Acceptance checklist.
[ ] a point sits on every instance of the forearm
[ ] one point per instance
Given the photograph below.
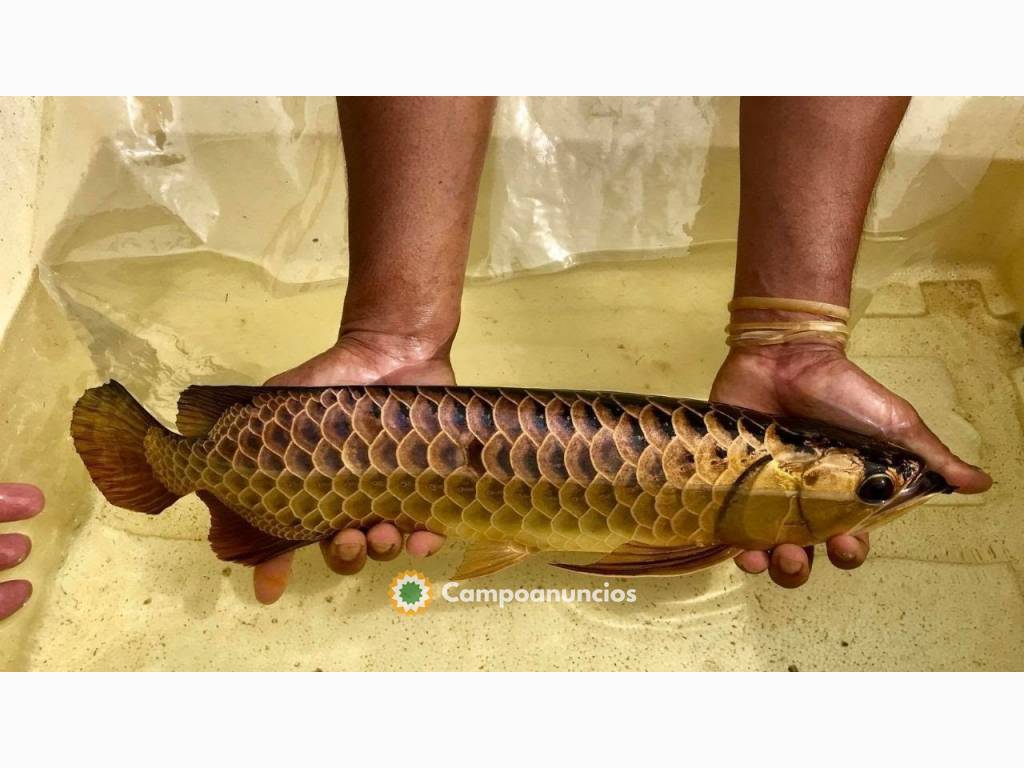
(807, 170)
(413, 168)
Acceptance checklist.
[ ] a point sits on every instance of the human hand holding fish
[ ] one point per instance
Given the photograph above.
(818, 381)
(360, 358)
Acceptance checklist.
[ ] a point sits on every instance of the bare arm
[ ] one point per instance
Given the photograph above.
(413, 169)
(808, 167)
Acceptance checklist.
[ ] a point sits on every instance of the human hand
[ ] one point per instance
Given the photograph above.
(18, 501)
(361, 358)
(819, 382)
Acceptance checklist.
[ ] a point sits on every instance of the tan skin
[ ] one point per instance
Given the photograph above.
(808, 169)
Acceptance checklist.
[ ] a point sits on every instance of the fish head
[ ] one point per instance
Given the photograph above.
(815, 481)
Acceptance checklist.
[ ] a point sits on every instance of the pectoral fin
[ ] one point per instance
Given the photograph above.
(486, 557)
(641, 560)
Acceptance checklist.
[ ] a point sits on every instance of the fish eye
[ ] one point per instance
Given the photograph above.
(876, 489)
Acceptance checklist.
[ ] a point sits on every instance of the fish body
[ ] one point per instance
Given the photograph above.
(658, 485)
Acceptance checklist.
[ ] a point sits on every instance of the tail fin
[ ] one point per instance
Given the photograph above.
(108, 426)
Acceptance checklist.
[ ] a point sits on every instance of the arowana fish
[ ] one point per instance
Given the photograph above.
(657, 485)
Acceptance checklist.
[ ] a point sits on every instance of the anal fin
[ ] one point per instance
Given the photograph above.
(235, 540)
(640, 560)
(486, 557)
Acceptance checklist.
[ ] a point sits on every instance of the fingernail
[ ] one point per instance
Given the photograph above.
(426, 553)
(380, 549)
(21, 500)
(847, 555)
(789, 567)
(348, 551)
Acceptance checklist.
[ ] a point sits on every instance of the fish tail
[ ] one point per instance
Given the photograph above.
(109, 427)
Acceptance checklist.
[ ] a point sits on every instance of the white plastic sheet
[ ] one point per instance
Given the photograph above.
(568, 180)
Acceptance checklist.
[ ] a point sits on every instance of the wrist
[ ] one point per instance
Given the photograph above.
(783, 365)
(762, 321)
(400, 348)
(408, 324)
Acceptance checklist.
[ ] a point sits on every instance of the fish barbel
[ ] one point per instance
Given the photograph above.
(657, 485)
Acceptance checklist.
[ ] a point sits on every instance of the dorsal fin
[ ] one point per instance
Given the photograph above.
(199, 406)
(641, 560)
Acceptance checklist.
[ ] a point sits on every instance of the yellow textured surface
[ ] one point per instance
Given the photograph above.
(117, 590)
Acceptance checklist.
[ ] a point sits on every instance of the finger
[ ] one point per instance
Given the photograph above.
(915, 435)
(966, 478)
(13, 595)
(270, 579)
(346, 552)
(847, 551)
(14, 548)
(753, 561)
(790, 566)
(424, 543)
(19, 501)
(383, 542)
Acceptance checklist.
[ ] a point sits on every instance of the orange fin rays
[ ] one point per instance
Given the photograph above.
(483, 558)
(639, 560)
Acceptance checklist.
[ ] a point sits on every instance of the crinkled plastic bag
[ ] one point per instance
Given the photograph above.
(568, 180)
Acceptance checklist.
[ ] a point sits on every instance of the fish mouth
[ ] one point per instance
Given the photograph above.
(925, 485)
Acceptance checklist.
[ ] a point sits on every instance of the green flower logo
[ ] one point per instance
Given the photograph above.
(410, 592)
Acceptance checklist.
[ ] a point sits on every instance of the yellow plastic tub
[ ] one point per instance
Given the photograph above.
(128, 255)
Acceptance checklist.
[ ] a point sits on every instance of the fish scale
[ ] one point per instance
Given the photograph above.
(658, 485)
(551, 470)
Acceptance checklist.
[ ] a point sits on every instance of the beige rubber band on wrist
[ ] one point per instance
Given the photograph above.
(791, 305)
(766, 333)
